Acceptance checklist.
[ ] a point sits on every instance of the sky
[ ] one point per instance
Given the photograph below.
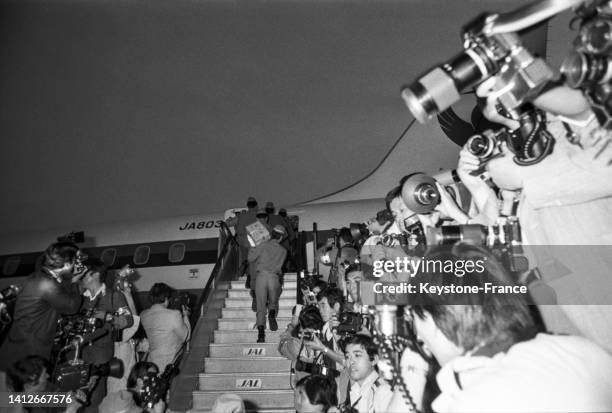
(121, 110)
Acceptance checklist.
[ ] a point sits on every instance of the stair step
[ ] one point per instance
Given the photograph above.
(288, 276)
(244, 350)
(239, 285)
(246, 302)
(246, 312)
(244, 336)
(246, 364)
(243, 381)
(256, 399)
(247, 323)
(244, 293)
(249, 410)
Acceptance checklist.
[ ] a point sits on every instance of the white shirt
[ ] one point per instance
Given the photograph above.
(546, 374)
(373, 395)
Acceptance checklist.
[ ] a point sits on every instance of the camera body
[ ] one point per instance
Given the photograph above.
(503, 238)
(309, 335)
(589, 65)
(180, 300)
(75, 374)
(318, 369)
(80, 324)
(520, 75)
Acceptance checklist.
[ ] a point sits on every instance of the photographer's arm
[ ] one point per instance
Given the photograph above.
(65, 298)
(562, 179)
(317, 345)
(123, 316)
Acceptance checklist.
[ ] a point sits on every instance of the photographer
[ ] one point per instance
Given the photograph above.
(133, 399)
(330, 302)
(109, 306)
(46, 294)
(31, 376)
(490, 344)
(366, 391)
(291, 344)
(166, 329)
(565, 200)
(376, 227)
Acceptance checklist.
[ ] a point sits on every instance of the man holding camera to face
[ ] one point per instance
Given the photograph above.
(111, 307)
(492, 356)
(47, 293)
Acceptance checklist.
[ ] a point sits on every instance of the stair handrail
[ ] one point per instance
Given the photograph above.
(227, 240)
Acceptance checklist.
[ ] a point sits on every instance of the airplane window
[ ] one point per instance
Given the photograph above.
(11, 265)
(176, 253)
(141, 255)
(108, 256)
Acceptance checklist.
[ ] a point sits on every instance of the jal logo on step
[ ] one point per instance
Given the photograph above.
(253, 351)
(248, 383)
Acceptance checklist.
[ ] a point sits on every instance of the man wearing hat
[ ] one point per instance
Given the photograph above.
(266, 261)
(277, 219)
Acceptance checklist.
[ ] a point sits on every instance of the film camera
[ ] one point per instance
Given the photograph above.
(156, 387)
(77, 325)
(180, 300)
(307, 283)
(530, 143)
(76, 374)
(503, 238)
(309, 335)
(520, 75)
(122, 279)
(313, 368)
(7, 295)
(588, 66)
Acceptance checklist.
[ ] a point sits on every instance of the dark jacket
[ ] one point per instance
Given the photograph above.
(102, 345)
(37, 309)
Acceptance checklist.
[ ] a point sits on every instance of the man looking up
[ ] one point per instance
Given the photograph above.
(45, 296)
(267, 261)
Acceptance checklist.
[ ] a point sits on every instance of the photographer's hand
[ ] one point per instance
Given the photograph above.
(487, 90)
(314, 344)
(448, 207)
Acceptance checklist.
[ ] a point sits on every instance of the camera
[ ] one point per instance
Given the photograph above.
(309, 335)
(589, 65)
(7, 295)
(75, 374)
(350, 323)
(122, 281)
(503, 238)
(318, 369)
(76, 237)
(70, 327)
(156, 387)
(359, 231)
(393, 240)
(180, 300)
(521, 76)
(530, 143)
(421, 193)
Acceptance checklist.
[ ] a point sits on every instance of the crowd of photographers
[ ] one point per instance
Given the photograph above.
(529, 205)
(73, 331)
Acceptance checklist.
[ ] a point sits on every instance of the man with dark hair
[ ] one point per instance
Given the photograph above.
(30, 375)
(45, 296)
(330, 302)
(267, 261)
(111, 307)
(488, 343)
(366, 391)
(166, 329)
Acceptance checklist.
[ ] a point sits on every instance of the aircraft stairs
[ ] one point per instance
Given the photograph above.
(235, 363)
